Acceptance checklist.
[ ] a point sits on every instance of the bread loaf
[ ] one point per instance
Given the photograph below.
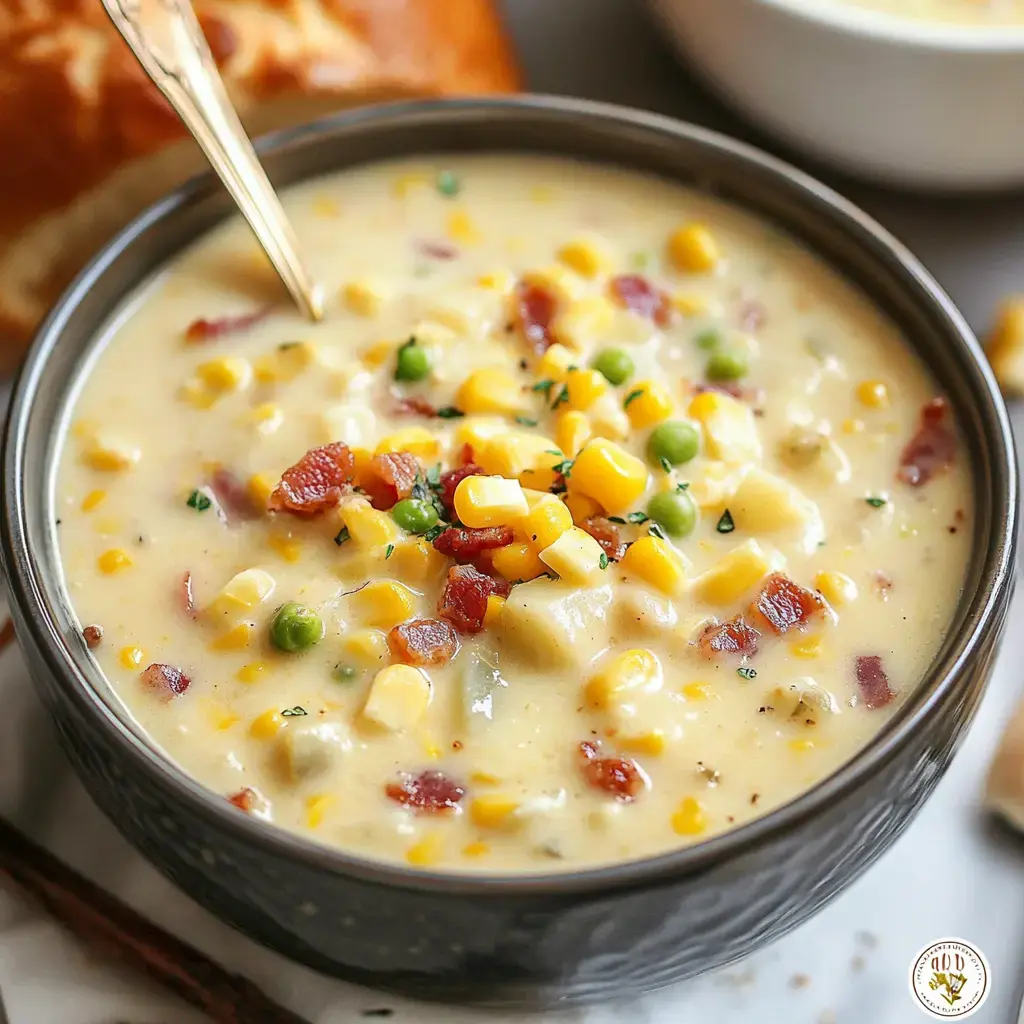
(88, 142)
(1004, 789)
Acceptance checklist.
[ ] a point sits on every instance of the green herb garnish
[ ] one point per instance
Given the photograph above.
(389, 551)
(543, 385)
(632, 397)
(876, 502)
(636, 518)
(296, 712)
(746, 673)
(199, 501)
(449, 412)
(448, 184)
(725, 523)
(617, 519)
(342, 536)
(562, 396)
(665, 464)
(603, 561)
(434, 532)
(656, 531)
(526, 421)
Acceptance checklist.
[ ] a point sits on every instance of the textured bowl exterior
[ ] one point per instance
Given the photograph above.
(528, 941)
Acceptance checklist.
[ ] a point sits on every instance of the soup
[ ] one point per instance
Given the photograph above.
(595, 519)
(969, 12)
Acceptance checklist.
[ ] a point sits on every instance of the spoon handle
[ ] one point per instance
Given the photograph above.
(167, 41)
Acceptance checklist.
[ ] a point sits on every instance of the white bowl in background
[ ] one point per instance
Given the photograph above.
(909, 102)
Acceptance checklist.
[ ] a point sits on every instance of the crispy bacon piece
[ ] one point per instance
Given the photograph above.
(234, 501)
(783, 605)
(464, 543)
(451, 480)
(635, 293)
(606, 534)
(414, 405)
(244, 799)
(220, 327)
(534, 308)
(185, 594)
(872, 681)
(930, 451)
(426, 793)
(424, 642)
(316, 482)
(464, 598)
(166, 681)
(93, 636)
(220, 37)
(390, 477)
(617, 776)
(732, 637)
(434, 249)
(466, 456)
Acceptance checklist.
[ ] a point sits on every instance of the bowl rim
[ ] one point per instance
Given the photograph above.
(900, 30)
(981, 619)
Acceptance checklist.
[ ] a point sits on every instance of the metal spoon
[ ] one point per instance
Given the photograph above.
(166, 39)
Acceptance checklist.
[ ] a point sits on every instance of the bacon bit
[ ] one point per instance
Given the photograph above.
(426, 793)
(618, 776)
(390, 477)
(424, 642)
(464, 543)
(413, 405)
(467, 456)
(188, 601)
(606, 534)
(883, 584)
(316, 482)
(635, 293)
(244, 799)
(732, 637)
(484, 562)
(872, 681)
(93, 636)
(220, 327)
(753, 396)
(233, 498)
(451, 480)
(166, 681)
(782, 604)
(436, 250)
(220, 37)
(533, 311)
(930, 451)
(464, 598)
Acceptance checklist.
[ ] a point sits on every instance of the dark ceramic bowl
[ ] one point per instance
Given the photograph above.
(535, 939)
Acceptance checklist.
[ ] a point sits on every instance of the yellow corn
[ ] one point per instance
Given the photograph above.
(572, 431)
(555, 363)
(364, 298)
(584, 388)
(287, 547)
(583, 322)
(490, 391)
(398, 697)
(368, 647)
(689, 305)
(405, 183)
(518, 562)
(252, 672)
(873, 393)
(581, 507)
(801, 746)
(92, 499)
(558, 278)
(530, 458)
(853, 426)
(385, 603)
(485, 779)
(648, 402)
(220, 716)
(697, 691)
(836, 587)
(493, 613)
(689, 820)
(547, 520)
(652, 743)
(492, 810)
(267, 725)
(489, 501)
(730, 432)
(431, 748)
(267, 417)
(416, 560)
(429, 850)
(113, 561)
(477, 848)
(807, 647)
(609, 474)
(693, 249)
(734, 574)
(316, 808)
(587, 256)
(575, 556)
(235, 639)
(461, 228)
(627, 673)
(260, 486)
(476, 431)
(244, 591)
(131, 657)
(497, 281)
(326, 208)
(377, 354)
(286, 362)
(110, 456)
(417, 440)
(369, 527)
(656, 562)
(228, 373)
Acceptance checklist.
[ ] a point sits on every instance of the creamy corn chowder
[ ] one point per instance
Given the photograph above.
(968, 12)
(595, 519)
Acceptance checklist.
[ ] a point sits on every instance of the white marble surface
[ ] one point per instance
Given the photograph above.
(951, 874)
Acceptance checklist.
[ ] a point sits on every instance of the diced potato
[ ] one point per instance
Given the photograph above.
(639, 613)
(730, 431)
(398, 697)
(110, 454)
(608, 418)
(491, 390)
(576, 557)
(305, 752)
(572, 431)
(243, 592)
(765, 503)
(836, 587)
(489, 501)
(555, 363)
(367, 647)
(584, 322)
(735, 574)
(623, 676)
(714, 483)
(353, 424)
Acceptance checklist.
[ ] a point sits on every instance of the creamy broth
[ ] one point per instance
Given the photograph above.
(586, 719)
(968, 12)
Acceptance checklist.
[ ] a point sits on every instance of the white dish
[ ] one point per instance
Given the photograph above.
(909, 102)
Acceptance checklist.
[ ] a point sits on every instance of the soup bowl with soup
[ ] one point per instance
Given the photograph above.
(913, 93)
(594, 594)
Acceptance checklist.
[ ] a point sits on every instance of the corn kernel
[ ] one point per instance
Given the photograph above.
(267, 417)
(377, 354)
(416, 560)
(689, 305)
(109, 456)
(385, 603)
(501, 281)
(651, 743)
(286, 361)
(405, 183)
(288, 548)
(429, 850)
(584, 388)
(530, 458)
(476, 431)
(734, 574)
(259, 488)
(485, 779)
(576, 557)
(364, 298)
(461, 228)
(689, 820)
(92, 499)
(489, 501)
(609, 474)
(493, 612)
(398, 697)
(131, 657)
(572, 431)
(326, 208)
(648, 402)
(368, 647)
(656, 562)
(624, 675)
(229, 373)
(730, 432)
(417, 440)
(244, 591)
(490, 391)
(801, 746)
(220, 716)
(873, 393)
(369, 527)
(693, 249)
(113, 561)
(587, 256)
(252, 672)
(547, 520)
(581, 507)
(836, 587)
(583, 322)
(267, 725)
(235, 639)
(555, 363)
(478, 848)
(557, 278)
(316, 808)
(853, 426)
(608, 419)
(492, 810)
(518, 562)
(196, 393)
(808, 647)
(431, 748)
(697, 691)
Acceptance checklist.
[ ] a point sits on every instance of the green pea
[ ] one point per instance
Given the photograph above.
(674, 511)
(344, 673)
(727, 366)
(614, 364)
(414, 515)
(678, 441)
(295, 628)
(708, 339)
(412, 362)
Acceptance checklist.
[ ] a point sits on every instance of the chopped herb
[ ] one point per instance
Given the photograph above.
(617, 519)
(434, 476)
(656, 531)
(448, 183)
(603, 561)
(543, 385)
(342, 536)
(636, 518)
(296, 712)
(285, 345)
(876, 502)
(526, 421)
(746, 673)
(344, 673)
(683, 486)
(419, 489)
(552, 451)
(199, 501)
(632, 397)
(563, 468)
(665, 464)
(725, 523)
(562, 396)
(389, 551)
(449, 412)
(642, 260)
(434, 532)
